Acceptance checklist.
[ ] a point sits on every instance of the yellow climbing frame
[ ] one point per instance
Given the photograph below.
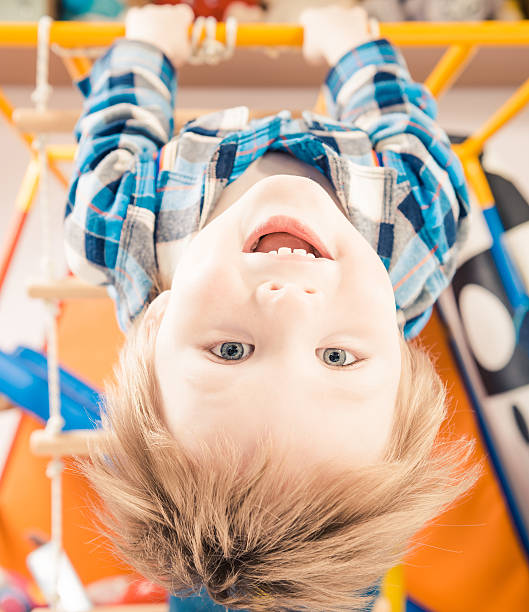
(461, 39)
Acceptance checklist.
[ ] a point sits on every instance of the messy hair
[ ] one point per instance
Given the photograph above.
(267, 537)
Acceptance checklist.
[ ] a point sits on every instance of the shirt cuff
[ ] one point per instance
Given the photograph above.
(123, 56)
(372, 53)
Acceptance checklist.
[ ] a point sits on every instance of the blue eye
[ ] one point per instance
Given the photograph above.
(235, 351)
(338, 357)
(231, 351)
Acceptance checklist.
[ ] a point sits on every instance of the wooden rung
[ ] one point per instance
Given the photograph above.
(163, 607)
(31, 120)
(66, 288)
(64, 444)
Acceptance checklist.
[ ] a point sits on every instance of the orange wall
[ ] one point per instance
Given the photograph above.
(471, 559)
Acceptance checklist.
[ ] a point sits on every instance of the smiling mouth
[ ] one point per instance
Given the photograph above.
(276, 240)
(282, 231)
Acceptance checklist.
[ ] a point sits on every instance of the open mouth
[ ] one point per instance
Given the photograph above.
(274, 241)
(280, 232)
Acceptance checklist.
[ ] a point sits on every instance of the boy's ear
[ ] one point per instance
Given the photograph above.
(156, 308)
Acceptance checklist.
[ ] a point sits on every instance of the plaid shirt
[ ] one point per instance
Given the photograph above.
(138, 196)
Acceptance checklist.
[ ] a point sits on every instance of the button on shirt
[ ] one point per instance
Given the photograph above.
(138, 195)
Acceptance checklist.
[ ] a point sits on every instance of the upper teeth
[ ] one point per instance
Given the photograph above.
(289, 251)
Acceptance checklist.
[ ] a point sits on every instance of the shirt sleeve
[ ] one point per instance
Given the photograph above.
(371, 87)
(112, 202)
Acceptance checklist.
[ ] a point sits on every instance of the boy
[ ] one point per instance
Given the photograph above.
(272, 433)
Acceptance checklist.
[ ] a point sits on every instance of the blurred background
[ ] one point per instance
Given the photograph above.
(274, 10)
(252, 77)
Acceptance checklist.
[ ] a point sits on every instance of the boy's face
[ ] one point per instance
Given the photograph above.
(282, 377)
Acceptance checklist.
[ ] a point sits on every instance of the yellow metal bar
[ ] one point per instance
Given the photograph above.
(61, 152)
(455, 58)
(478, 181)
(28, 186)
(393, 588)
(77, 33)
(321, 106)
(474, 143)
(56, 171)
(7, 109)
(497, 33)
(78, 66)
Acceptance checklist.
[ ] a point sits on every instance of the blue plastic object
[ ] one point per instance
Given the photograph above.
(24, 380)
(195, 603)
(203, 603)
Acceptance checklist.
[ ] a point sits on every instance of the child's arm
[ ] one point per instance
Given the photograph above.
(370, 87)
(127, 117)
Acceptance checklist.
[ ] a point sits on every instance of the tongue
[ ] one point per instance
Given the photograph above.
(272, 242)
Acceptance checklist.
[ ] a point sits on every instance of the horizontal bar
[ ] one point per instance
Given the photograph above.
(431, 34)
(68, 288)
(76, 443)
(61, 152)
(54, 120)
(78, 34)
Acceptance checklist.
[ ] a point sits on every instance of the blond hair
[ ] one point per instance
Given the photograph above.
(266, 538)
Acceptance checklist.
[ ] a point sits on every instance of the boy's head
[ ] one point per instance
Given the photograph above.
(278, 481)
(282, 320)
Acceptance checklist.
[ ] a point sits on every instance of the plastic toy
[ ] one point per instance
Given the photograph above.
(488, 293)
(24, 380)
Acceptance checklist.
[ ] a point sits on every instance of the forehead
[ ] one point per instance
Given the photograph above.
(271, 380)
(350, 415)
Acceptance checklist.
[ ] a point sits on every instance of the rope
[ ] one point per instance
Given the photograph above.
(42, 91)
(211, 51)
(374, 27)
(55, 422)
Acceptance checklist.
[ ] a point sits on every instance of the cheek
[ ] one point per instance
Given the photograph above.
(206, 280)
(370, 296)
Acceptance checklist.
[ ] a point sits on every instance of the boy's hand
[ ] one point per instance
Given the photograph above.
(330, 32)
(165, 27)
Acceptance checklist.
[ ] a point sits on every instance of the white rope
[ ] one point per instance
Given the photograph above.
(212, 51)
(42, 91)
(55, 423)
(374, 27)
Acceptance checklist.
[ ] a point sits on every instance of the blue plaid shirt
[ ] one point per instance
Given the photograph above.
(139, 195)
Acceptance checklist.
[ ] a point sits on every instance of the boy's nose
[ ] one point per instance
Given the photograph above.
(278, 295)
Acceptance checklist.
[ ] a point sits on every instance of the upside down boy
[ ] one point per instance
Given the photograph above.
(272, 433)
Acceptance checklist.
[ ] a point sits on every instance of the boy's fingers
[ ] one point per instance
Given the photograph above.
(131, 14)
(181, 12)
(307, 16)
(185, 13)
